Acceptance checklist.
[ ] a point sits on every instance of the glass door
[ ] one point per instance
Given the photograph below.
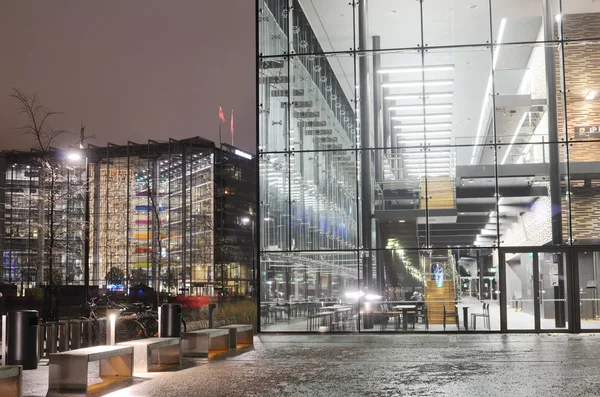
(588, 270)
(534, 290)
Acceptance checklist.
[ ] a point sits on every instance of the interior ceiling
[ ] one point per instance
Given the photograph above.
(446, 22)
(449, 23)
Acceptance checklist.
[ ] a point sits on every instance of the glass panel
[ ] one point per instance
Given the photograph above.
(324, 201)
(273, 25)
(589, 266)
(584, 192)
(553, 290)
(456, 23)
(583, 85)
(521, 98)
(475, 200)
(309, 291)
(274, 201)
(416, 287)
(515, 21)
(580, 19)
(322, 114)
(333, 32)
(273, 114)
(526, 203)
(398, 24)
(520, 291)
(457, 86)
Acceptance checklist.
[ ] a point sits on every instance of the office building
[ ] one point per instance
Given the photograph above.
(423, 161)
(176, 216)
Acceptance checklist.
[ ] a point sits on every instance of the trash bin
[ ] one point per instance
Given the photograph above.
(22, 339)
(170, 320)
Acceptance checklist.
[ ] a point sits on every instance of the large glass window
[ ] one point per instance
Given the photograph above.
(432, 137)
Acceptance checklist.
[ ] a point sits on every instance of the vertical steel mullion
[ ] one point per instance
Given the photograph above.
(128, 219)
(183, 217)
(170, 221)
(67, 253)
(537, 302)
(107, 214)
(502, 287)
(428, 244)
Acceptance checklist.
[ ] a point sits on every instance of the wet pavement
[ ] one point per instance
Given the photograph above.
(377, 365)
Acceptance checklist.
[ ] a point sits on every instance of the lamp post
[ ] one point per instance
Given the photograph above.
(75, 156)
(245, 221)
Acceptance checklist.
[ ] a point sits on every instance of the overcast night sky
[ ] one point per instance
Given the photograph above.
(130, 70)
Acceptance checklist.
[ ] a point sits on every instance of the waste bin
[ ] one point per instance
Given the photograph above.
(170, 320)
(22, 339)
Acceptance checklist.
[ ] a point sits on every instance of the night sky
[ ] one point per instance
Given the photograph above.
(130, 70)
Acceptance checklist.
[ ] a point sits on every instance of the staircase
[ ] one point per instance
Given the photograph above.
(435, 297)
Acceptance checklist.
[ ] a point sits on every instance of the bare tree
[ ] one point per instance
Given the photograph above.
(54, 191)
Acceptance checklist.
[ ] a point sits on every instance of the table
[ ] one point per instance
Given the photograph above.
(405, 309)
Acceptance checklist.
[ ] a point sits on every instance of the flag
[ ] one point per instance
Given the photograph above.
(231, 128)
(221, 114)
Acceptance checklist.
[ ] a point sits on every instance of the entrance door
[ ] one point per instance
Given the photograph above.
(534, 293)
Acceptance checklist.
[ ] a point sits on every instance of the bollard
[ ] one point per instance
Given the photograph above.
(211, 308)
(75, 334)
(41, 334)
(22, 339)
(63, 336)
(170, 320)
(111, 323)
(86, 333)
(51, 337)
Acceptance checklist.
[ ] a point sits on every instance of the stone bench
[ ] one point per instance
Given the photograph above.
(69, 370)
(149, 353)
(240, 334)
(11, 380)
(200, 343)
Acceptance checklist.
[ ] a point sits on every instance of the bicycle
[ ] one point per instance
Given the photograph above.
(98, 332)
(127, 325)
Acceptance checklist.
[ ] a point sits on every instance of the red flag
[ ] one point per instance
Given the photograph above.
(231, 128)
(221, 114)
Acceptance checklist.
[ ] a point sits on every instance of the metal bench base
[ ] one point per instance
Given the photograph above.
(201, 343)
(11, 381)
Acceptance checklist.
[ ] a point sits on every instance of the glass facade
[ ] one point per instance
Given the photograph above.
(424, 161)
(176, 216)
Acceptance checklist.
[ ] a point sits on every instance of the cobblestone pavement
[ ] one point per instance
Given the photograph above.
(377, 365)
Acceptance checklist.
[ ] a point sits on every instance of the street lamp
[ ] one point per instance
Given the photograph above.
(74, 156)
(247, 220)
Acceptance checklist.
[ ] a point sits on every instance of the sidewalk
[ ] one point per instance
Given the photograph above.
(377, 365)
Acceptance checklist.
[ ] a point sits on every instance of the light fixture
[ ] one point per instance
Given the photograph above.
(421, 126)
(431, 83)
(558, 17)
(591, 95)
(499, 41)
(412, 69)
(423, 134)
(402, 221)
(73, 156)
(514, 138)
(419, 96)
(421, 117)
(421, 107)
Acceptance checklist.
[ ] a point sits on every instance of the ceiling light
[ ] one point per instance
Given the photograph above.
(431, 83)
(471, 180)
(421, 107)
(421, 126)
(558, 17)
(421, 117)
(514, 138)
(440, 68)
(419, 96)
(499, 41)
(424, 134)
(591, 95)
(473, 6)
(401, 221)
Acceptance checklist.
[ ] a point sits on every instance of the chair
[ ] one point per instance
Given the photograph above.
(450, 314)
(421, 314)
(485, 316)
(385, 317)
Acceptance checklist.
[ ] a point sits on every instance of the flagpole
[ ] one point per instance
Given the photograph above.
(220, 140)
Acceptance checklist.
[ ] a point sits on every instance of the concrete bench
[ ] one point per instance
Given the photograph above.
(69, 370)
(11, 380)
(149, 353)
(200, 343)
(240, 334)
